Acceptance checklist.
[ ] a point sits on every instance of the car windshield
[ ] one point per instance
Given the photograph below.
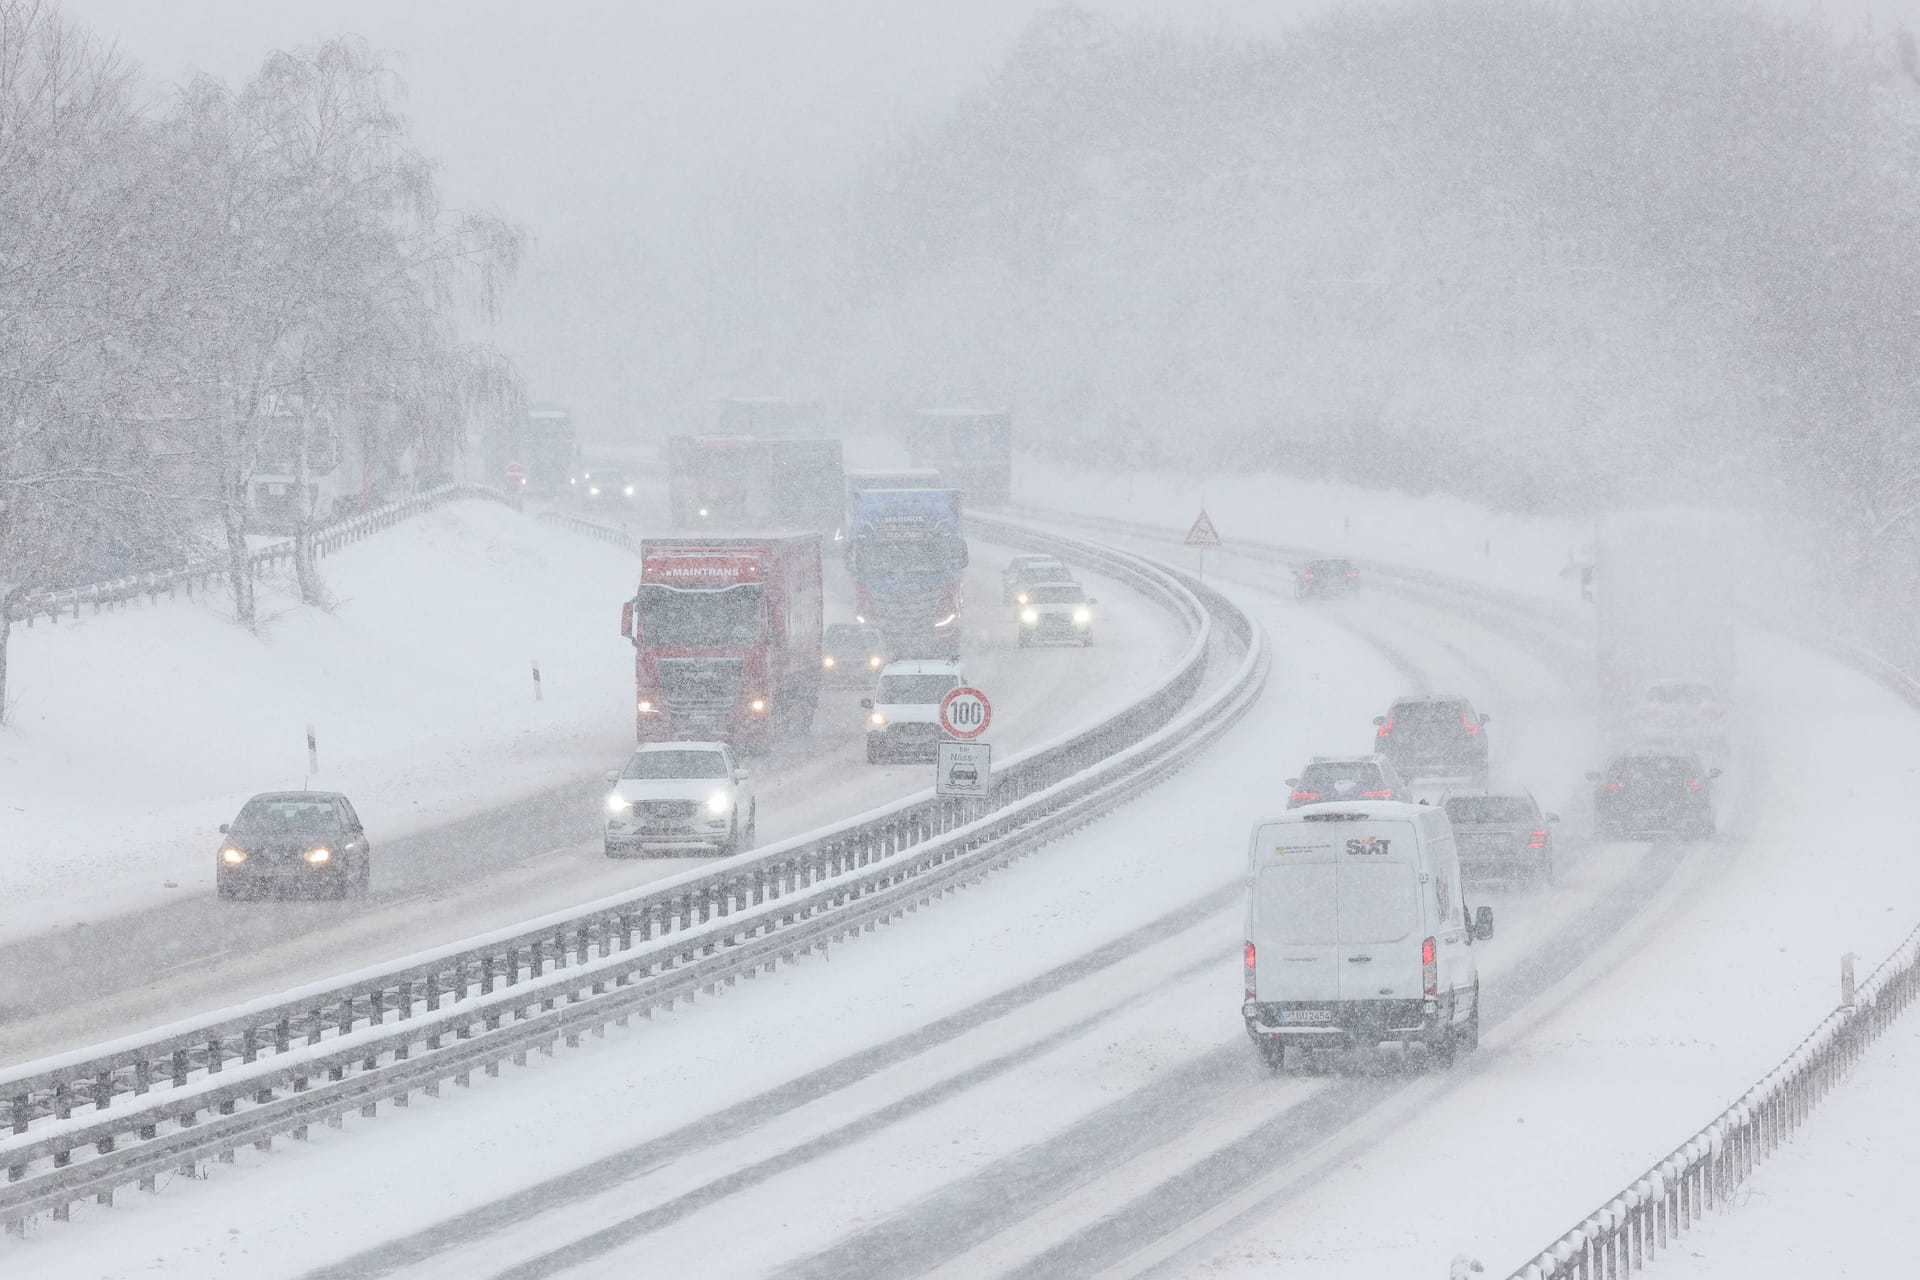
(673, 618)
(299, 813)
(1490, 809)
(1061, 593)
(1341, 778)
(845, 639)
(1329, 568)
(1054, 572)
(1653, 771)
(676, 764)
(911, 690)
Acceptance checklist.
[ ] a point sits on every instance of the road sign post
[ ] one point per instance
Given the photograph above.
(1203, 535)
(965, 713)
(964, 769)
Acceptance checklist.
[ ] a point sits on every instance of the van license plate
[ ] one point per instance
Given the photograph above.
(1306, 1015)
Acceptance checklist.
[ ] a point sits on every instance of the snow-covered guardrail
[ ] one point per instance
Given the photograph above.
(202, 573)
(1629, 1230)
(86, 1123)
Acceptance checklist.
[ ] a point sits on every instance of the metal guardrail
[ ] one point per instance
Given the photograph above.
(1629, 1230)
(86, 1123)
(205, 571)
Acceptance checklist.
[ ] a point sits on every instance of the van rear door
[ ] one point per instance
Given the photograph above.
(1379, 953)
(1295, 915)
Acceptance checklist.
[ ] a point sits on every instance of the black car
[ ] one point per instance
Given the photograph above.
(1434, 735)
(1318, 578)
(303, 841)
(852, 653)
(1346, 778)
(1646, 794)
(1503, 836)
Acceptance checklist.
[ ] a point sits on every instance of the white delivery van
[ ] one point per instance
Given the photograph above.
(1358, 932)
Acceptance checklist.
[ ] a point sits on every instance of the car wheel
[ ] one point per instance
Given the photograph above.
(226, 889)
(1026, 641)
(1274, 1055)
(873, 753)
(753, 828)
(732, 846)
(1086, 642)
(1442, 1048)
(1468, 1034)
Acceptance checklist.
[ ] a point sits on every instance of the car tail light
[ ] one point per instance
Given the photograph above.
(1250, 983)
(1429, 971)
(1539, 840)
(1304, 795)
(1384, 730)
(1694, 784)
(1467, 723)
(1385, 793)
(1613, 786)
(1307, 575)
(1353, 573)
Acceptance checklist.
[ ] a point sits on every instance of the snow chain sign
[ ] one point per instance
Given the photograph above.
(965, 713)
(964, 769)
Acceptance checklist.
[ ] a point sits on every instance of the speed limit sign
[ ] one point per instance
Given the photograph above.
(965, 713)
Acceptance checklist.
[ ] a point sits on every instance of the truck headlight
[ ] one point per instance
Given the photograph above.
(717, 803)
(1020, 597)
(320, 857)
(1082, 616)
(616, 804)
(876, 719)
(827, 660)
(593, 491)
(628, 491)
(758, 706)
(232, 857)
(703, 513)
(646, 706)
(1029, 616)
(874, 662)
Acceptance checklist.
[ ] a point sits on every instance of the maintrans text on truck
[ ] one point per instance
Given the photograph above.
(907, 556)
(726, 637)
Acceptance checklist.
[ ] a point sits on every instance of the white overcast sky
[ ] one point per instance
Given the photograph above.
(585, 119)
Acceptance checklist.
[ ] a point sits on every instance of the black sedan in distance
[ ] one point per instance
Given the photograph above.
(294, 842)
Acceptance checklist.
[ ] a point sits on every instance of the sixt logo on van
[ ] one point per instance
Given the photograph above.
(1370, 844)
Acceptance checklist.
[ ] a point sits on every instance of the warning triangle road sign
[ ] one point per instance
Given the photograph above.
(1203, 534)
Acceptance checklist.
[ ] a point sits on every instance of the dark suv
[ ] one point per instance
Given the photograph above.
(1346, 778)
(1645, 794)
(298, 840)
(1434, 735)
(1325, 578)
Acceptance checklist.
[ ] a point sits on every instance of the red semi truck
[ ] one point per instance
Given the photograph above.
(726, 637)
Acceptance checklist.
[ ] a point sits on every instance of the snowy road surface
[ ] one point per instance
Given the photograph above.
(540, 852)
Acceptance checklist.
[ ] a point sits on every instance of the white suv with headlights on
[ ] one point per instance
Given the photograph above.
(675, 796)
(903, 715)
(1056, 611)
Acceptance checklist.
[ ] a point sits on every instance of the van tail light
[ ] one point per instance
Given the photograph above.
(1694, 784)
(1308, 574)
(1385, 730)
(1539, 840)
(1250, 982)
(1304, 795)
(1613, 786)
(1386, 794)
(1353, 573)
(1467, 722)
(1429, 971)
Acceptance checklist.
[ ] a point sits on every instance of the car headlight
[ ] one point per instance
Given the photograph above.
(876, 719)
(320, 857)
(646, 706)
(1029, 616)
(593, 491)
(703, 513)
(628, 491)
(827, 660)
(1020, 598)
(717, 803)
(1082, 616)
(874, 662)
(616, 804)
(233, 857)
(758, 706)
